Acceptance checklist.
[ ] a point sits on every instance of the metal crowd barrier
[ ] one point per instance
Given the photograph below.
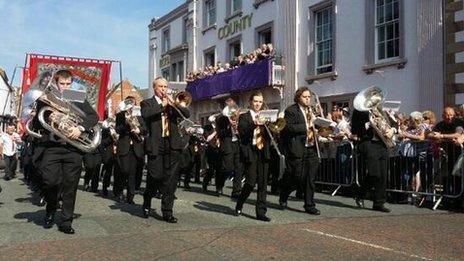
(418, 169)
(338, 165)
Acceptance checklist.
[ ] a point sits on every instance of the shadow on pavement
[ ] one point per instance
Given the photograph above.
(135, 210)
(207, 206)
(37, 217)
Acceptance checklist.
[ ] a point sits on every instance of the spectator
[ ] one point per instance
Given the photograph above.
(9, 149)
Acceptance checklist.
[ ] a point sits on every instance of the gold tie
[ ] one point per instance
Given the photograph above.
(309, 133)
(165, 124)
(259, 138)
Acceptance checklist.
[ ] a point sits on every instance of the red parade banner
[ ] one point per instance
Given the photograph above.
(92, 74)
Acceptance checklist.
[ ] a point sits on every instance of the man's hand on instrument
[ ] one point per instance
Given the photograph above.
(74, 133)
(136, 130)
(389, 133)
(165, 101)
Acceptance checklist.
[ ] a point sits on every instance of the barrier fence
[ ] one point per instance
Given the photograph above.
(419, 171)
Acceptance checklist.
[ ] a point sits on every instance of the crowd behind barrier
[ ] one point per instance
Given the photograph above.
(265, 51)
(418, 171)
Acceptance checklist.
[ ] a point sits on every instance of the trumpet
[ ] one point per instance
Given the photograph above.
(183, 99)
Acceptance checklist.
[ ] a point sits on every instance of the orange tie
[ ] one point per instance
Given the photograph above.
(310, 133)
(165, 124)
(259, 138)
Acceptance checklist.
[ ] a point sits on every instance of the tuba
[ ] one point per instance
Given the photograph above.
(371, 100)
(57, 116)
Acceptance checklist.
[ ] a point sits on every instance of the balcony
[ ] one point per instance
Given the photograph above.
(248, 77)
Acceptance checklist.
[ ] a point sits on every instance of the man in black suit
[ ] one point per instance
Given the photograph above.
(163, 147)
(92, 162)
(131, 129)
(374, 156)
(108, 152)
(256, 154)
(60, 163)
(299, 144)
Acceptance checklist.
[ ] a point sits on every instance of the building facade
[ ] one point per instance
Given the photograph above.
(335, 47)
(8, 103)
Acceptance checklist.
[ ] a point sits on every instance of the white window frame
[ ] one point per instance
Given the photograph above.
(231, 42)
(208, 52)
(209, 20)
(317, 43)
(235, 6)
(166, 45)
(384, 25)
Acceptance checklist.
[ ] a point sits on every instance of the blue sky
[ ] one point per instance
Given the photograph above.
(105, 29)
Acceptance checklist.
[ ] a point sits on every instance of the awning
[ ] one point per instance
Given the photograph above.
(244, 78)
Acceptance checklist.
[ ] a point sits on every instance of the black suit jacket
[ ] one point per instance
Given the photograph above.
(89, 121)
(246, 127)
(151, 113)
(295, 131)
(126, 136)
(106, 145)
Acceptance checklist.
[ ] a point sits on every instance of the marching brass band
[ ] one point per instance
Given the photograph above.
(237, 144)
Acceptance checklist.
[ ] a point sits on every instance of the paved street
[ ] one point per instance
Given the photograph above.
(208, 230)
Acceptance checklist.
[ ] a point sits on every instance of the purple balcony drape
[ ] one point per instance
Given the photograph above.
(244, 78)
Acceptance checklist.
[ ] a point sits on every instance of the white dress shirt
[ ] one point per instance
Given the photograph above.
(10, 143)
(163, 116)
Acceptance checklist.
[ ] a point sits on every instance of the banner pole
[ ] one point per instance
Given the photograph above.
(120, 78)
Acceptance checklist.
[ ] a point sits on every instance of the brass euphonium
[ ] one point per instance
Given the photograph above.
(57, 115)
(370, 100)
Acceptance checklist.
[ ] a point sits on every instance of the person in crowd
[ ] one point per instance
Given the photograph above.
(10, 140)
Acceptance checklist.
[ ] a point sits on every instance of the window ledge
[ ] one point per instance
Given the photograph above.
(208, 28)
(399, 63)
(233, 15)
(312, 78)
(257, 3)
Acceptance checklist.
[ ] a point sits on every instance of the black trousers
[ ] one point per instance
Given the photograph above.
(238, 169)
(92, 164)
(128, 172)
(61, 168)
(108, 169)
(11, 163)
(162, 175)
(256, 173)
(139, 172)
(374, 155)
(301, 172)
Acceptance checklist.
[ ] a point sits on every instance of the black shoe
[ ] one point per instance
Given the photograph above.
(263, 218)
(313, 211)
(170, 219)
(105, 192)
(283, 205)
(238, 211)
(145, 212)
(234, 196)
(67, 230)
(41, 202)
(130, 199)
(381, 208)
(48, 221)
(359, 202)
(7, 178)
